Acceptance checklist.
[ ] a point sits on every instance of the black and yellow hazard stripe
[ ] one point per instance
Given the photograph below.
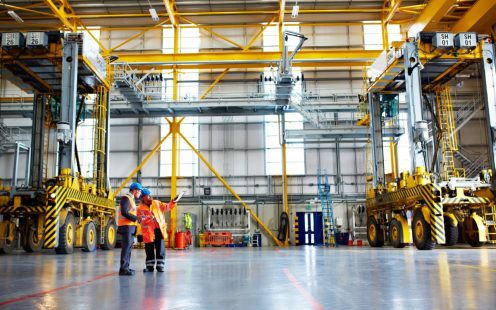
(52, 215)
(465, 200)
(23, 209)
(297, 231)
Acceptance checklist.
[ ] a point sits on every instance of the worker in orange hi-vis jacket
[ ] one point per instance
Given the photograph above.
(154, 228)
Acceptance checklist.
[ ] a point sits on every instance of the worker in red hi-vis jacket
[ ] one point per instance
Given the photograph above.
(153, 227)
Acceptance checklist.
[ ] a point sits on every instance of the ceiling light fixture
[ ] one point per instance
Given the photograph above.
(296, 9)
(15, 16)
(153, 12)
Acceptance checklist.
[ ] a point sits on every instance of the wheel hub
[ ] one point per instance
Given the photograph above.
(372, 232)
(69, 234)
(419, 230)
(111, 235)
(394, 233)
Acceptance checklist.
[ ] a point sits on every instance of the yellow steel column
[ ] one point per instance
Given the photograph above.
(229, 188)
(285, 187)
(174, 128)
(285, 203)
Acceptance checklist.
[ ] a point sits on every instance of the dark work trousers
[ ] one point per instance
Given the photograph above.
(127, 233)
(155, 251)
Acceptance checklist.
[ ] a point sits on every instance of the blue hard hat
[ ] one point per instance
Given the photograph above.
(136, 185)
(145, 192)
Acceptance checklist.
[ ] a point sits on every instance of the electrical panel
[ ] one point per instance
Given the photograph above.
(466, 41)
(443, 40)
(37, 40)
(13, 40)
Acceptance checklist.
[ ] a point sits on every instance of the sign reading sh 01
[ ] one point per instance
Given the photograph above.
(466, 40)
(443, 40)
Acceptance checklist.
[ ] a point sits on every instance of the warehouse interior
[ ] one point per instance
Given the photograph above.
(314, 143)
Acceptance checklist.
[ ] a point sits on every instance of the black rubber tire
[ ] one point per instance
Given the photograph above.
(90, 237)
(6, 246)
(396, 234)
(66, 242)
(375, 235)
(31, 241)
(422, 238)
(450, 231)
(110, 231)
(473, 238)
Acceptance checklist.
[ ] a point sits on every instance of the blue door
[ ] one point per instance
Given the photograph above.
(310, 228)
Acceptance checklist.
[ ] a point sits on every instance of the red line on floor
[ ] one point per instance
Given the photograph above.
(315, 304)
(40, 294)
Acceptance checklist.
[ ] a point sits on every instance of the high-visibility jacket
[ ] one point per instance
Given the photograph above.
(124, 221)
(153, 216)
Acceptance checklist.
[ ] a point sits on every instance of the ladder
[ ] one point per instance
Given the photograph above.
(329, 225)
(489, 215)
(449, 142)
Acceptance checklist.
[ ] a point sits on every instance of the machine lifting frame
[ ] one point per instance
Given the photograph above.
(64, 212)
(435, 208)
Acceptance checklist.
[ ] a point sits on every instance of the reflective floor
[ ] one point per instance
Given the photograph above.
(254, 278)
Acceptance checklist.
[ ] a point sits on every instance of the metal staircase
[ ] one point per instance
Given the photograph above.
(472, 166)
(329, 225)
(466, 112)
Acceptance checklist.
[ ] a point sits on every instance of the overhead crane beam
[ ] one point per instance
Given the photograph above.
(258, 58)
(480, 14)
(433, 12)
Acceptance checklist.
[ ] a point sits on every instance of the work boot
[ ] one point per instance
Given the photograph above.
(127, 272)
(160, 269)
(148, 269)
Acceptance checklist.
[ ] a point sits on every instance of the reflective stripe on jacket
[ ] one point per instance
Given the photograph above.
(124, 221)
(157, 209)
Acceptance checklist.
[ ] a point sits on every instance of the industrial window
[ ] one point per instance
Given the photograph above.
(394, 33)
(84, 140)
(187, 159)
(372, 36)
(295, 153)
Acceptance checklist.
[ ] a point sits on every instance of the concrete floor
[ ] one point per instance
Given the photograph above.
(254, 278)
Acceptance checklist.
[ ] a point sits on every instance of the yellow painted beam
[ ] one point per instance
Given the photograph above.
(64, 13)
(231, 190)
(481, 17)
(315, 56)
(282, 9)
(171, 11)
(391, 7)
(25, 9)
(285, 185)
(221, 13)
(433, 12)
(320, 64)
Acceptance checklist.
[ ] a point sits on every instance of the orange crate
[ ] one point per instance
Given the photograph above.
(218, 238)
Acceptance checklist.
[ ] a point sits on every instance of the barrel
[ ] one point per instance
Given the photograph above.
(180, 240)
